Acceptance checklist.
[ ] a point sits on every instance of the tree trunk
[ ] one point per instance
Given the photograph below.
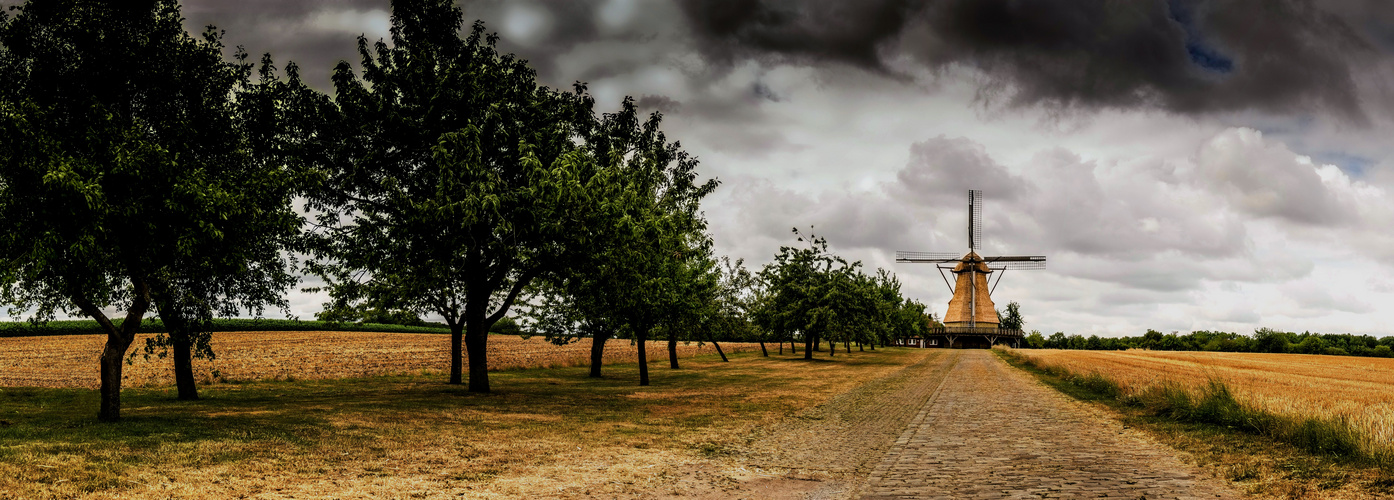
(457, 336)
(672, 352)
(642, 338)
(807, 347)
(723, 355)
(832, 348)
(183, 366)
(848, 345)
(179, 337)
(781, 348)
(598, 352)
(477, 348)
(117, 341)
(762, 349)
(112, 357)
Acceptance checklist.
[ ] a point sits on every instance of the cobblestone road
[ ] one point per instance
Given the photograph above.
(992, 431)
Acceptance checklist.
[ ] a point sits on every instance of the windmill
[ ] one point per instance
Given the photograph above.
(971, 310)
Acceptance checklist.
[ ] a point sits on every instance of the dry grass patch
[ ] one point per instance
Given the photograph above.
(546, 432)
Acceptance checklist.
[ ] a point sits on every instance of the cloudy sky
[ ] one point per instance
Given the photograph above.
(1184, 164)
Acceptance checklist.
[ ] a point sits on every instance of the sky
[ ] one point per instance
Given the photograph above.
(1183, 164)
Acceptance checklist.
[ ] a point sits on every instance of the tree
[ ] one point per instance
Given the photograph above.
(807, 287)
(1035, 340)
(450, 180)
(1269, 340)
(648, 262)
(692, 299)
(912, 321)
(736, 295)
(132, 175)
(1012, 319)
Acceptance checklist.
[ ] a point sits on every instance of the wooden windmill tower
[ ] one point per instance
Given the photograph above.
(971, 310)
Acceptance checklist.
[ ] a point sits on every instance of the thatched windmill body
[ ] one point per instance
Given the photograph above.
(971, 310)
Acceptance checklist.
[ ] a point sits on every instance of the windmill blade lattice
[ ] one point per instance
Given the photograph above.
(975, 219)
(902, 256)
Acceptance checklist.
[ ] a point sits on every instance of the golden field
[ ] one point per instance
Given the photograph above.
(544, 433)
(1356, 390)
(71, 360)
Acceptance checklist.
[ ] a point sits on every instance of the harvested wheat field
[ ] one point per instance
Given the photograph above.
(71, 360)
(543, 433)
(1298, 426)
(1356, 390)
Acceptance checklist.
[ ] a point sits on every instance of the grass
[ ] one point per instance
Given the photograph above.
(1264, 451)
(551, 432)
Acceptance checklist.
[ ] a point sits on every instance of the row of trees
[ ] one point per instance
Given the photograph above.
(143, 172)
(813, 295)
(1263, 340)
(144, 169)
(806, 295)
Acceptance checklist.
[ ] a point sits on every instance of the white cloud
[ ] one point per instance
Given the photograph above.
(373, 23)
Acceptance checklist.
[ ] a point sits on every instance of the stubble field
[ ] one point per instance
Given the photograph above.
(294, 427)
(1308, 426)
(71, 360)
(1357, 391)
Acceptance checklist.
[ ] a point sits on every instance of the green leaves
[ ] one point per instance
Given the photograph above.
(813, 293)
(147, 170)
(447, 179)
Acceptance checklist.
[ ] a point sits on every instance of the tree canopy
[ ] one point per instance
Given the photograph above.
(133, 173)
(451, 181)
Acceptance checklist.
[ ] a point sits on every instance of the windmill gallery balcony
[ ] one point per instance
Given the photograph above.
(965, 337)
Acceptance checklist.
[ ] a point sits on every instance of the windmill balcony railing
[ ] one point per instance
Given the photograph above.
(975, 330)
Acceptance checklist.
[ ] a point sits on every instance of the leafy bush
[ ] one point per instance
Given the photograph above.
(506, 326)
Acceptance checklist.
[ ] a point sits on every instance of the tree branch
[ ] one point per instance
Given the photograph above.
(518, 287)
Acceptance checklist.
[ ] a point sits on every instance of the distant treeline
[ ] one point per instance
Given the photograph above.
(1263, 340)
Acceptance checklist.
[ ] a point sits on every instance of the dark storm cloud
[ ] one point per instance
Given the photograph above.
(1184, 56)
(849, 32)
(661, 104)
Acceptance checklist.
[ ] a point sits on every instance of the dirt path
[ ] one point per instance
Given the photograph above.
(850, 433)
(823, 452)
(993, 432)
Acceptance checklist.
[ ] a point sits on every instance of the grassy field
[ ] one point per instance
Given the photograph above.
(545, 432)
(71, 360)
(1285, 425)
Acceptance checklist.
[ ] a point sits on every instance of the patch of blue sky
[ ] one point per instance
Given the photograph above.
(1353, 165)
(1202, 55)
